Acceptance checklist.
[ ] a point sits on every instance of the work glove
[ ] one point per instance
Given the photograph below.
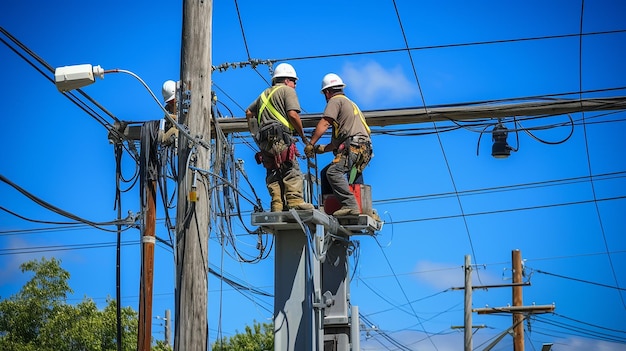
(309, 150)
(320, 149)
(170, 136)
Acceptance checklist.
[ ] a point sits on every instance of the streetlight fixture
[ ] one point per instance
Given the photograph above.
(500, 148)
(73, 77)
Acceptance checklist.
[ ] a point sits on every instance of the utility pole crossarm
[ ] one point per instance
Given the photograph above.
(534, 309)
(381, 118)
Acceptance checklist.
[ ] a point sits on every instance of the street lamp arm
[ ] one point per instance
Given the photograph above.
(167, 114)
(117, 70)
(74, 77)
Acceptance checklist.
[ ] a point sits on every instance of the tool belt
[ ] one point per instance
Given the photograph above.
(361, 147)
(277, 145)
(271, 161)
(364, 155)
(274, 138)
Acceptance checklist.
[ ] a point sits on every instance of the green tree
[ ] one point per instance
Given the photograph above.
(161, 346)
(259, 337)
(39, 318)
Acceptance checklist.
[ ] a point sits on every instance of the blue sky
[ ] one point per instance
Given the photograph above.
(433, 190)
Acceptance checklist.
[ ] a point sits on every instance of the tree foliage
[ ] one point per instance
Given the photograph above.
(259, 337)
(39, 318)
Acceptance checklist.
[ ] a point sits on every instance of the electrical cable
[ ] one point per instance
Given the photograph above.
(590, 324)
(579, 280)
(454, 45)
(528, 208)
(419, 320)
(384, 334)
(586, 141)
(70, 95)
(583, 331)
(507, 188)
(443, 152)
(48, 206)
(118, 245)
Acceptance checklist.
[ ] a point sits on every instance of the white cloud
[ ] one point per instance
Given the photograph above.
(371, 84)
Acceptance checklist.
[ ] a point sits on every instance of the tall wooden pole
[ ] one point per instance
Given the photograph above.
(468, 305)
(148, 239)
(518, 330)
(192, 216)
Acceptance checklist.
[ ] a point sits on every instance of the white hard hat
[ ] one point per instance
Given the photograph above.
(332, 80)
(284, 70)
(169, 90)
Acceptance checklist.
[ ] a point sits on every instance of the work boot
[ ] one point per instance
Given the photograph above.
(347, 211)
(301, 206)
(277, 197)
(293, 183)
(277, 207)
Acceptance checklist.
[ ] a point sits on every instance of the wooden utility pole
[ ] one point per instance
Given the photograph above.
(148, 190)
(146, 283)
(517, 310)
(192, 216)
(518, 330)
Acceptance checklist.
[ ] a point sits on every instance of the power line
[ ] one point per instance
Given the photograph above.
(454, 45)
(509, 210)
(508, 188)
(586, 141)
(48, 206)
(580, 280)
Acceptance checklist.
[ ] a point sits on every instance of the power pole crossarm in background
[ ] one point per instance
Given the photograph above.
(192, 216)
(381, 118)
(518, 311)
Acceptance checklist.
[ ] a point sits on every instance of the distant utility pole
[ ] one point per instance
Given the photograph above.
(518, 310)
(192, 216)
(468, 328)
(168, 328)
(518, 317)
(468, 306)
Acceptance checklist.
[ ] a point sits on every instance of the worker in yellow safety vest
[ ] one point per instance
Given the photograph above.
(273, 118)
(350, 142)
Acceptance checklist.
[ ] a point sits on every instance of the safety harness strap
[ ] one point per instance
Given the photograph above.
(356, 111)
(267, 103)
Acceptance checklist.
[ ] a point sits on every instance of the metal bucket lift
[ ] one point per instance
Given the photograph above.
(311, 284)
